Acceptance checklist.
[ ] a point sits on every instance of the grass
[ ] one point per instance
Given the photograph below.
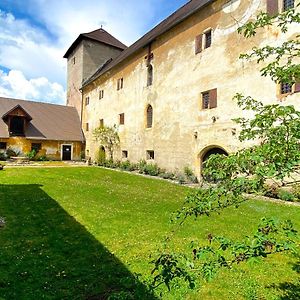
(82, 233)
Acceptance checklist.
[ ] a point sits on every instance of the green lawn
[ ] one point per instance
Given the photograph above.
(82, 233)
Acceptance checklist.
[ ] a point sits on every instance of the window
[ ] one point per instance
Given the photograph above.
(149, 75)
(285, 88)
(120, 84)
(122, 119)
(3, 145)
(101, 94)
(87, 100)
(209, 99)
(287, 4)
(74, 60)
(207, 39)
(36, 146)
(101, 123)
(86, 126)
(124, 154)
(150, 154)
(149, 116)
(17, 126)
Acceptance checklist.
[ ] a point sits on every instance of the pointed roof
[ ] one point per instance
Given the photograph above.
(99, 35)
(11, 111)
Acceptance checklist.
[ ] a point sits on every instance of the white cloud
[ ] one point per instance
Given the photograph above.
(15, 85)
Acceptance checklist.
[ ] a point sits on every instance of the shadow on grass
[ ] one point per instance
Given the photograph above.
(290, 290)
(46, 254)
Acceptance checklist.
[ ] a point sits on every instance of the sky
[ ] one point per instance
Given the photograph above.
(35, 34)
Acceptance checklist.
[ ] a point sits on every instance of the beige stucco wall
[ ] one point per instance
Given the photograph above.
(180, 77)
(51, 149)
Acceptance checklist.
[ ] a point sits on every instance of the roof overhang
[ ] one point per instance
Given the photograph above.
(11, 113)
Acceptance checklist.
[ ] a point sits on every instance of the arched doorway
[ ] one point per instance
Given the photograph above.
(207, 152)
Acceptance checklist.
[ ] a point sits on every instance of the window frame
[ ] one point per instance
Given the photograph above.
(207, 33)
(36, 146)
(125, 154)
(122, 119)
(87, 101)
(150, 155)
(149, 117)
(101, 94)
(286, 4)
(87, 127)
(3, 145)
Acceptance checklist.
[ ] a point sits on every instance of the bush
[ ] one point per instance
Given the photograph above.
(100, 157)
(190, 176)
(42, 158)
(2, 156)
(128, 166)
(180, 178)
(10, 152)
(151, 169)
(142, 164)
(31, 155)
(167, 175)
(286, 196)
(82, 155)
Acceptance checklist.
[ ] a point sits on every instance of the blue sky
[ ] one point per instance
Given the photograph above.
(35, 34)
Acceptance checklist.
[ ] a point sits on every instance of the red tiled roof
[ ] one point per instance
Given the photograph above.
(49, 121)
(99, 35)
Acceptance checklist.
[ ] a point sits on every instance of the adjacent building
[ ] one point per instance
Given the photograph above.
(54, 131)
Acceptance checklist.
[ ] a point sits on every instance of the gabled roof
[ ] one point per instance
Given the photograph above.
(177, 17)
(99, 35)
(28, 117)
(49, 121)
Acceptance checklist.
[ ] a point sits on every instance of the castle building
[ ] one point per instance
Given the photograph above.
(171, 92)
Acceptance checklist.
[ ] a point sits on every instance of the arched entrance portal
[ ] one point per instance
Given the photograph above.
(207, 152)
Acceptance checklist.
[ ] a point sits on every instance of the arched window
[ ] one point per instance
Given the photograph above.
(149, 116)
(149, 75)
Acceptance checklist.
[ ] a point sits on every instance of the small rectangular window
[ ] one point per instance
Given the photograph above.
(36, 146)
(288, 4)
(74, 60)
(3, 145)
(101, 123)
(122, 119)
(209, 99)
(87, 100)
(208, 39)
(285, 88)
(101, 94)
(124, 154)
(150, 154)
(120, 84)
(86, 126)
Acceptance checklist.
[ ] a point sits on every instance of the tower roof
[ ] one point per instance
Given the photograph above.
(98, 35)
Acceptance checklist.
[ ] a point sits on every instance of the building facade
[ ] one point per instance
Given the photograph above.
(171, 93)
(53, 131)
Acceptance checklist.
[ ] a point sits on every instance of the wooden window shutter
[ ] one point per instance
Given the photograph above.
(272, 7)
(198, 44)
(297, 87)
(213, 98)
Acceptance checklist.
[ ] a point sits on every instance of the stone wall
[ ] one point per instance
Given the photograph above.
(182, 131)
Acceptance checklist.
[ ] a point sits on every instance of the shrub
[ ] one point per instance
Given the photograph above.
(10, 152)
(2, 156)
(296, 191)
(141, 166)
(128, 166)
(100, 157)
(151, 169)
(167, 175)
(180, 178)
(286, 196)
(82, 155)
(43, 158)
(190, 176)
(31, 155)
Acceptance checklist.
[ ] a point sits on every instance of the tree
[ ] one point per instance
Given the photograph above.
(108, 137)
(276, 155)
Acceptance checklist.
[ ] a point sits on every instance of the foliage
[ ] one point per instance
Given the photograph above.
(167, 175)
(142, 164)
(190, 176)
(11, 152)
(31, 155)
(220, 252)
(151, 169)
(2, 156)
(286, 195)
(82, 155)
(42, 158)
(108, 137)
(100, 157)
(128, 166)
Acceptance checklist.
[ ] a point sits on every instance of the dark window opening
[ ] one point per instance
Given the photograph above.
(36, 146)
(149, 116)
(3, 145)
(150, 154)
(122, 119)
(86, 126)
(120, 84)
(287, 4)
(87, 100)
(205, 100)
(17, 126)
(124, 154)
(101, 94)
(285, 88)
(149, 75)
(101, 123)
(74, 60)
(209, 99)
(208, 39)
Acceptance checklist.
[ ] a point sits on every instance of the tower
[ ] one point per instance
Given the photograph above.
(87, 53)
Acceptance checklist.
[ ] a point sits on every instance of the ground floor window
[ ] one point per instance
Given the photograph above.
(150, 154)
(124, 154)
(36, 146)
(3, 145)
